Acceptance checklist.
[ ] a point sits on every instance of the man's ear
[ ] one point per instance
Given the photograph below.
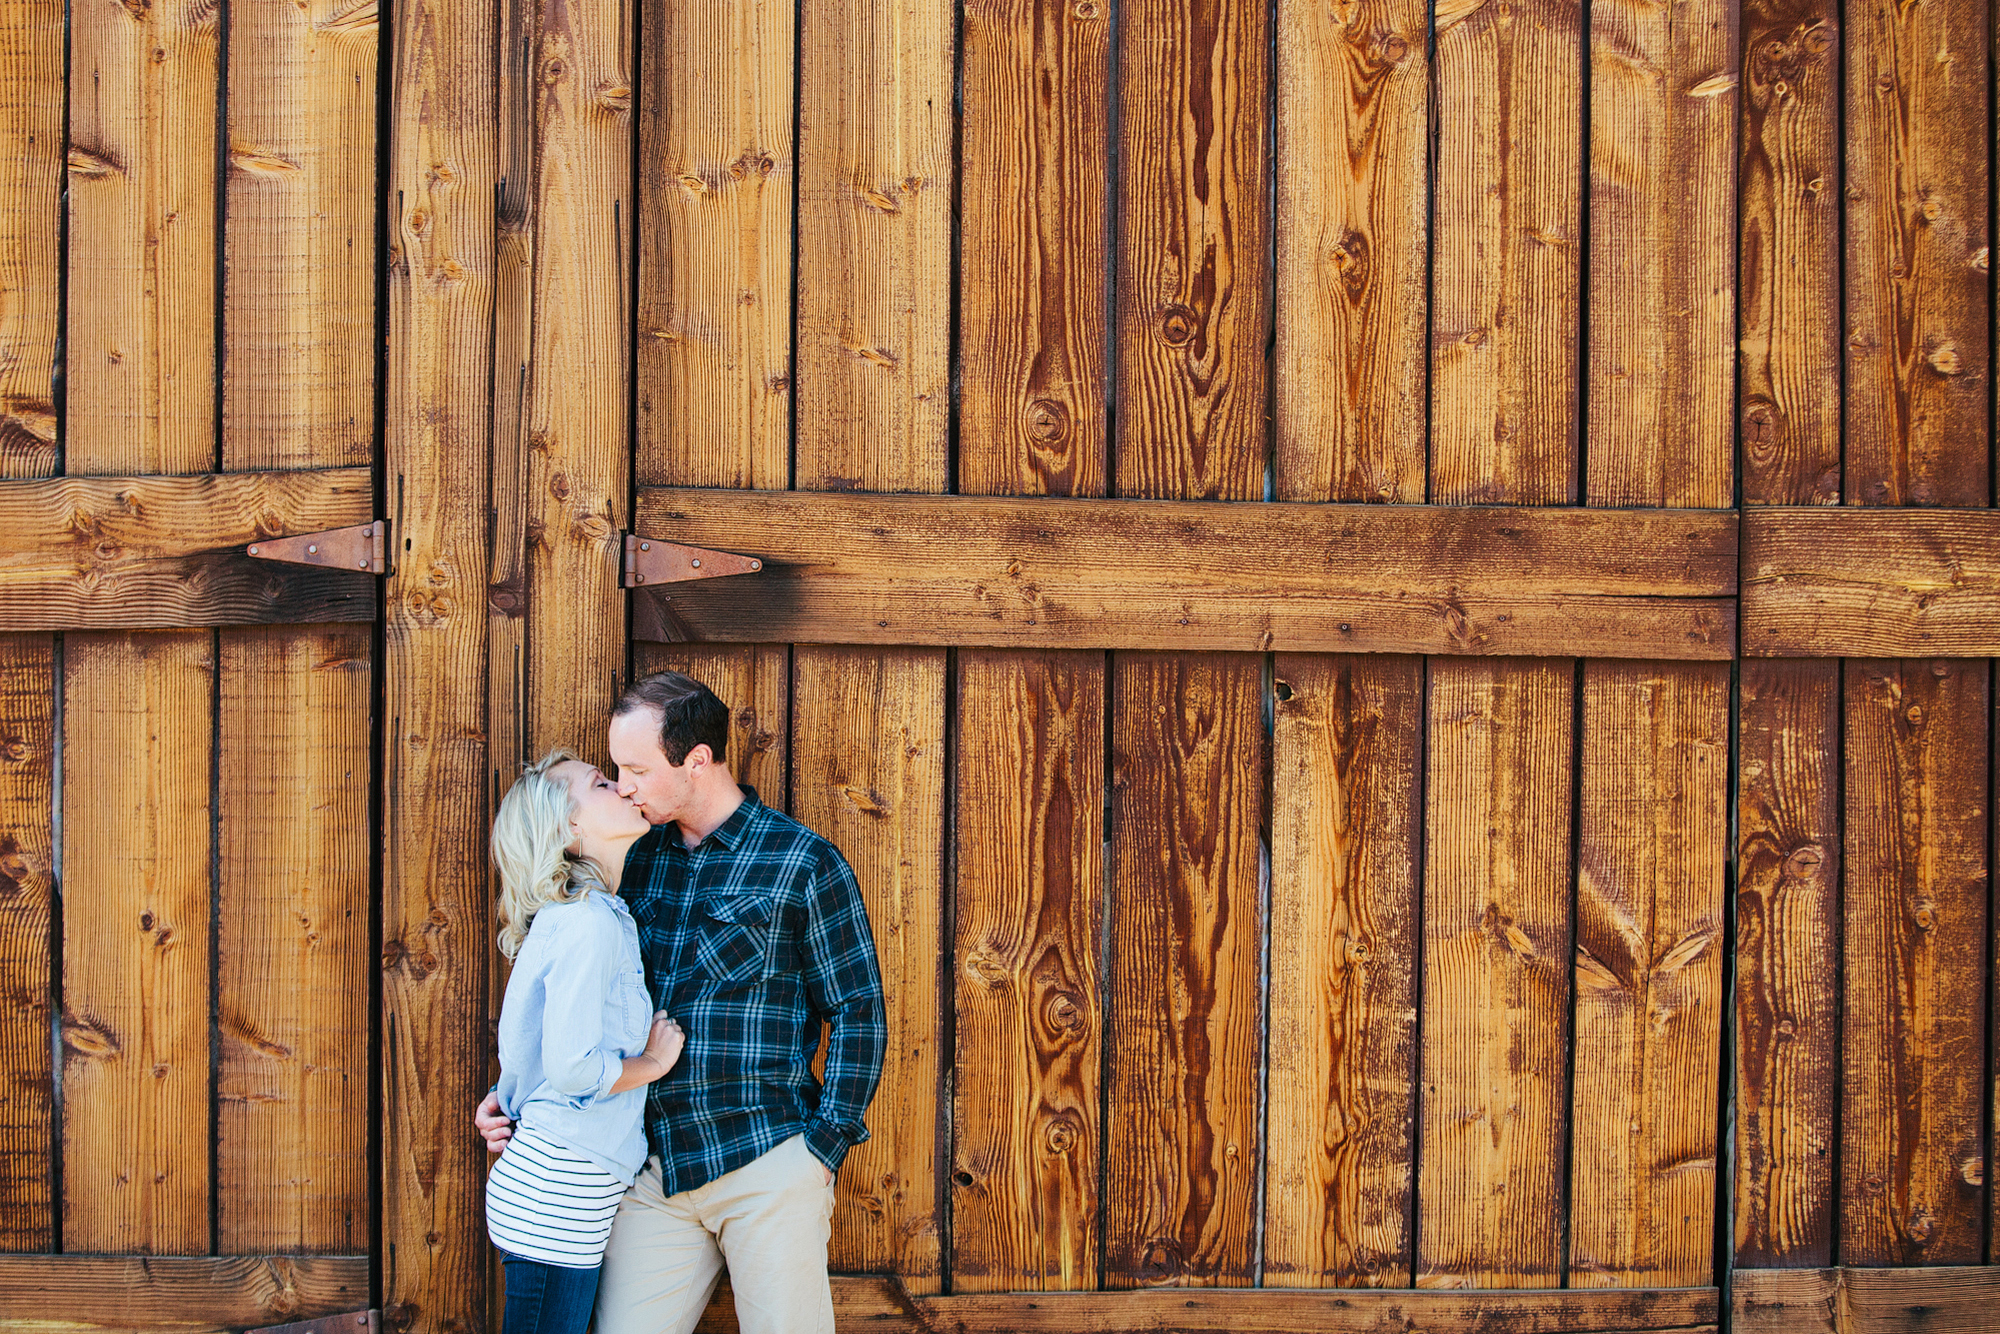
(699, 756)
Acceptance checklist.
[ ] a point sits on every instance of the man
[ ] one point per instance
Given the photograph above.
(753, 932)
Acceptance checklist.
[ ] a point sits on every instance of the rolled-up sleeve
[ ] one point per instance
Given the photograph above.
(844, 984)
(584, 963)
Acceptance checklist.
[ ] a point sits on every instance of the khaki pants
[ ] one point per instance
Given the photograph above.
(769, 1220)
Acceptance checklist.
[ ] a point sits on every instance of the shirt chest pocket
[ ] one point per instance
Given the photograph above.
(730, 938)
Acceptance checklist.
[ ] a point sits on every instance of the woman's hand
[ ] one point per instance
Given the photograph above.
(665, 1042)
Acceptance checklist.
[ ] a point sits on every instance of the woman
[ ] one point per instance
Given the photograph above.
(579, 1040)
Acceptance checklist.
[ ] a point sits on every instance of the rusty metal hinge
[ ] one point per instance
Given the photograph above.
(362, 547)
(353, 1322)
(650, 561)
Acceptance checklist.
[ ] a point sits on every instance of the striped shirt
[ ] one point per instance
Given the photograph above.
(751, 939)
(545, 1202)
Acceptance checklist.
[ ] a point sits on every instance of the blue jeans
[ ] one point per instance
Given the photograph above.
(547, 1299)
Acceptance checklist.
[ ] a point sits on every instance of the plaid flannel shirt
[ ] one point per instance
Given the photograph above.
(751, 939)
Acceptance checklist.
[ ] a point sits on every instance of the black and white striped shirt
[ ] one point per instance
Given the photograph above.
(545, 1202)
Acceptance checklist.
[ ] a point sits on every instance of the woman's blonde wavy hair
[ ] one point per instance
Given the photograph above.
(531, 850)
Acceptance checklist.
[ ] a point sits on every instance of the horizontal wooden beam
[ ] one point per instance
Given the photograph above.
(1866, 1301)
(1826, 582)
(962, 570)
(880, 1303)
(147, 553)
(161, 1292)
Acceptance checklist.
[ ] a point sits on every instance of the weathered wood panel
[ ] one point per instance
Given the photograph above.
(1825, 583)
(714, 354)
(1495, 1013)
(1788, 261)
(293, 964)
(31, 123)
(1912, 1151)
(138, 729)
(1030, 1014)
(1919, 326)
(1353, 250)
(868, 732)
(1345, 832)
(1662, 316)
(193, 591)
(1864, 1301)
(1079, 573)
(27, 903)
(1034, 217)
(755, 681)
(1653, 838)
(115, 1292)
(436, 908)
(1508, 229)
(1787, 962)
(1193, 234)
(1188, 803)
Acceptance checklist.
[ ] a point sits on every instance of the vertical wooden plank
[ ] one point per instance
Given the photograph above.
(577, 407)
(27, 890)
(138, 727)
(31, 122)
(1787, 963)
(1788, 262)
(1504, 303)
(1353, 251)
(755, 682)
(1912, 1152)
(714, 356)
(875, 136)
(1496, 1003)
(436, 937)
(293, 960)
(140, 351)
(1193, 229)
(1034, 213)
(1343, 997)
(1918, 319)
(868, 759)
(1662, 267)
(1028, 925)
(1187, 930)
(1654, 832)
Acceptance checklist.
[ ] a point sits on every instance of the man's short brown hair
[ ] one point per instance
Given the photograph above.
(690, 714)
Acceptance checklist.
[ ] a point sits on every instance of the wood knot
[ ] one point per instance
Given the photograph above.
(1048, 421)
(1177, 326)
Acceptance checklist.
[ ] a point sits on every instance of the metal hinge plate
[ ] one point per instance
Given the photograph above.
(354, 1322)
(364, 547)
(649, 561)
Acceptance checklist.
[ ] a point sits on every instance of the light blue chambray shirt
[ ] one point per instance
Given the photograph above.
(576, 1007)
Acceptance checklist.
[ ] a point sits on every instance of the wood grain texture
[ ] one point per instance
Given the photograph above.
(1915, 931)
(1345, 832)
(138, 726)
(577, 491)
(1954, 1300)
(1919, 324)
(191, 591)
(1787, 962)
(1653, 840)
(298, 383)
(139, 346)
(1028, 926)
(755, 682)
(714, 353)
(1353, 250)
(1080, 573)
(1662, 317)
(1504, 287)
(1824, 583)
(1187, 926)
(868, 733)
(1788, 252)
(1495, 1017)
(1193, 238)
(293, 951)
(31, 123)
(436, 910)
(874, 237)
(39, 1292)
(1035, 213)
(27, 902)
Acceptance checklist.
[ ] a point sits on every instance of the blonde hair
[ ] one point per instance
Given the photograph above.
(531, 850)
